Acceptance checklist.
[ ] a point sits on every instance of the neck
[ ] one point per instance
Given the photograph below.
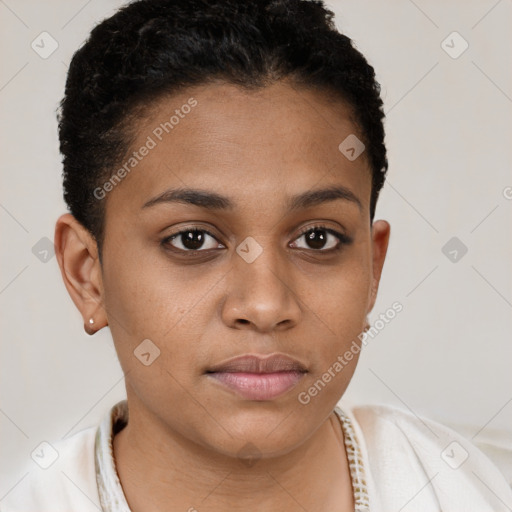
(163, 471)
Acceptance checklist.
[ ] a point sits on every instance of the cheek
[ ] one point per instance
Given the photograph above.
(340, 298)
(150, 301)
(336, 346)
(146, 298)
(145, 295)
(337, 306)
(347, 301)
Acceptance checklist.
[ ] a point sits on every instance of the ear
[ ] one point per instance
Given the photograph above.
(77, 253)
(380, 239)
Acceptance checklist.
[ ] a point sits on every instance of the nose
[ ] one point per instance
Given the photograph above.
(261, 294)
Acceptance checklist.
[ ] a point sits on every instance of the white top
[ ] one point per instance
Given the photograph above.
(398, 463)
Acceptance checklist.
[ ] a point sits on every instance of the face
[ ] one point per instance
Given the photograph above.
(255, 264)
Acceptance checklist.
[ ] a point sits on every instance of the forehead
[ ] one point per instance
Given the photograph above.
(242, 143)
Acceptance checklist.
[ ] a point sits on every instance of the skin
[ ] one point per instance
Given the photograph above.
(181, 446)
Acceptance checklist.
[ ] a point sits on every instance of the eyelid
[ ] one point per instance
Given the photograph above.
(319, 226)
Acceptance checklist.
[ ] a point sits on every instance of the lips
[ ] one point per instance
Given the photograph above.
(259, 364)
(258, 377)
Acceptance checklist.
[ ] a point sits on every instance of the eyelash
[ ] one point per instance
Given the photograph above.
(342, 239)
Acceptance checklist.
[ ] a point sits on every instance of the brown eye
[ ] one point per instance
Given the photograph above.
(321, 239)
(192, 240)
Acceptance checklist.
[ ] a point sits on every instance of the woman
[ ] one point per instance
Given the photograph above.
(222, 165)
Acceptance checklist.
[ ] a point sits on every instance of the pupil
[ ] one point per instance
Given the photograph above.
(316, 238)
(192, 240)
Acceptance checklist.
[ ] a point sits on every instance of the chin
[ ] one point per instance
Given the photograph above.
(254, 447)
(262, 433)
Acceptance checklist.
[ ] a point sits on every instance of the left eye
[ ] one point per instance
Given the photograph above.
(321, 239)
(192, 240)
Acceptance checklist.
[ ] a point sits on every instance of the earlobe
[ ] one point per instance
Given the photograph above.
(89, 327)
(380, 240)
(77, 255)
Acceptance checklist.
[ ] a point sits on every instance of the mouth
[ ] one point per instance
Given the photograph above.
(259, 378)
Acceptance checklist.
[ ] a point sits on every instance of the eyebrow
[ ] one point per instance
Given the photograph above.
(213, 201)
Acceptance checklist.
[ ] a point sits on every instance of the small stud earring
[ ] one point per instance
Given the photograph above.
(88, 327)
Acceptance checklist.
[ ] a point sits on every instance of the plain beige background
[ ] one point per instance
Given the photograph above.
(446, 356)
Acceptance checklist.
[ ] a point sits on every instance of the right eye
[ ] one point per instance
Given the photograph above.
(192, 240)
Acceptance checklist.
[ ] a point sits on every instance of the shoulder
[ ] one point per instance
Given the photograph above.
(59, 478)
(415, 463)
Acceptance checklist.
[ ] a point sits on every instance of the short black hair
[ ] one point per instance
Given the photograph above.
(151, 48)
